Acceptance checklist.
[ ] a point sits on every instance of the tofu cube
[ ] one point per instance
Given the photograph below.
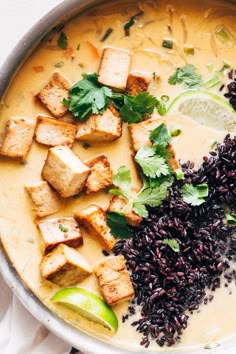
(64, 266)
(118, 203)
(137, 82)
(94, 219)
(18, 138)
(100, 127)
(139, 133)
(45, 200)
(52, 95)
(54, 132)
(100, 176)
(62, 230)
(114, 280)
(114, 68)
(64, 170)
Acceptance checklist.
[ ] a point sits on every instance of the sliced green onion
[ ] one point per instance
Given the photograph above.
(212, 82)
(224, 67)
(224, 36)
(59, 64)
(188, 49)
(175, 131)
(167, 43)
(106, 35)
(78, 47)
(231, 220)
(213, 144)
(179, 174)
(165, 98)
(210, 66)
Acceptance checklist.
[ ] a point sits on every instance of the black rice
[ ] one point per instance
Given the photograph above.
(169, 284)
(231, 94)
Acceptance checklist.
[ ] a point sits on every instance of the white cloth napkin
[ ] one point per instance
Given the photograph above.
(20, 332)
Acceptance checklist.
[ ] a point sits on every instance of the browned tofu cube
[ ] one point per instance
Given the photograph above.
(62, 230)
(114, 280)
(45, 200)
(100, 176)
(94, 219)
(100, 127)
(114, 68)
(64, 266)
(18, 138)
(53, 94)
(137, 82)
(65, 171)
(118, 203)
(54, 132)
(139, 133)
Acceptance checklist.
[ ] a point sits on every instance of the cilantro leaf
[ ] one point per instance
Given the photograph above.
(187, 75)
(134, 107)
(173, 244)
(152, 164)
(160, 136)
(87, 96)
(118, 225)
(152, 196)
(62, 41)
(194, 195)
(122, 179)
(140, 209)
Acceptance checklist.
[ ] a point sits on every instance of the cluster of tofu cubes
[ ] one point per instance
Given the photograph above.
(64, 175)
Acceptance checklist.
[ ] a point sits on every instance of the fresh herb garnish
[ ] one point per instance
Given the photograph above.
(133, 108)
(87, 96)
(194, 195)
(186, 75)
(173, 244)
(224, 67)
(179, 174)
(152, 164)
(118, 225)
(175, 131)
(122, 179)
(167, 43)
(86, 146)
(62, 228)
(189, 49)
(106, 34)
(231, 220)
(214, 81)
(62, 41)
(160, 136)
(59, 64)
(78, 47)
(131, 22)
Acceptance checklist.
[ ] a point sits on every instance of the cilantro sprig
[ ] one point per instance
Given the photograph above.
(88, 96)
(187, 75)
(156, 174)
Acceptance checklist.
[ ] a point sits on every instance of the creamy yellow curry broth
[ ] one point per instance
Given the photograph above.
(186, 22)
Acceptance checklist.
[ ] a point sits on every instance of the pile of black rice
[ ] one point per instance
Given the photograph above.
(231, 94)
(169, 285)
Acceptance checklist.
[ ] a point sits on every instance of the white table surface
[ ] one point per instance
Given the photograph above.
(20, 332)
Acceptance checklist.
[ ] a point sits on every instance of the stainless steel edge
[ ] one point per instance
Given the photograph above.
(90, 345)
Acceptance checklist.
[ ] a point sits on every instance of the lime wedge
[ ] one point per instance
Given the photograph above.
(206, 108)
(88, 305)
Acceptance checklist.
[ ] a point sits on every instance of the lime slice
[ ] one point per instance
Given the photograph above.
(206, 108)
(88, 305)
